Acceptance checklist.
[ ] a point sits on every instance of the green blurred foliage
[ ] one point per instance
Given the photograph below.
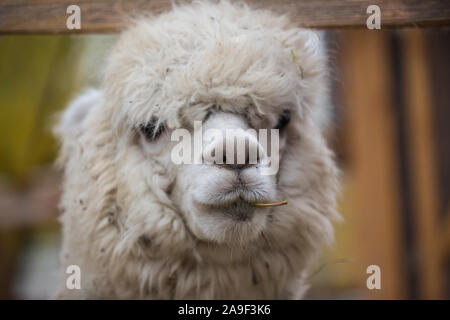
(38, 75)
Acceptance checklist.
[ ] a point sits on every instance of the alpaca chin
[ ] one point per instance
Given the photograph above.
(221, 226)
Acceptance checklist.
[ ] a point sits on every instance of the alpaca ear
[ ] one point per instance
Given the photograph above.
(304, 40)
(74, 115)
(69, 127)
(308, 51)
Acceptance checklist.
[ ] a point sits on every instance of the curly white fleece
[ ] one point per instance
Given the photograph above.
(120, 224)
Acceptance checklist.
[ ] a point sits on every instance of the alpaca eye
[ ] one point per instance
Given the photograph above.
(283, 120)
(152, 129)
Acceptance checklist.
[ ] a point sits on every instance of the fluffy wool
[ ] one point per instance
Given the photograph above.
(126, 215)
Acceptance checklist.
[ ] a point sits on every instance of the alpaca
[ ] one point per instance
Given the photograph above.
(140, 226)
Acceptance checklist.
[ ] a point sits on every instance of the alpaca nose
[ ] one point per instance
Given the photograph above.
(240, 153)
(237, 150)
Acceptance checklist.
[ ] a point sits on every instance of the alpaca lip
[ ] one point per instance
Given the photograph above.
(238, 192)
(239, 209)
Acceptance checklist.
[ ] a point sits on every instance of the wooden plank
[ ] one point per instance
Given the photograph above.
(371, 139)
(105, 16)
(420, 128)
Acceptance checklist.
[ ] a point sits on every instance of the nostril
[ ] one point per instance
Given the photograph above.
(235, 153)
(240, 166)
(234, 162)
(235, 166)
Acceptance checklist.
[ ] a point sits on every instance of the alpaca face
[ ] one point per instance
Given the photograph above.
(217, 195)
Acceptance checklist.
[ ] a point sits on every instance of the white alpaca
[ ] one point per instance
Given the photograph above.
(140, 226)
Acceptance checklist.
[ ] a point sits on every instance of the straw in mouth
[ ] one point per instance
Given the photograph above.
(274, 204)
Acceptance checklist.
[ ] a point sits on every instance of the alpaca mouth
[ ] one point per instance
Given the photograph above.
(238, 204)
(235, 199)
(239, 210)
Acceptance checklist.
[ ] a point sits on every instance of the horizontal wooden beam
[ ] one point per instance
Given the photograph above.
(107, 16)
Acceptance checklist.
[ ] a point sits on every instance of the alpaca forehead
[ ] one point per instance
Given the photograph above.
(249, 82)
(198, 103)
(202, 86)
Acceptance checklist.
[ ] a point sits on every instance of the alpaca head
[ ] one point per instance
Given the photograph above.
(227, 68)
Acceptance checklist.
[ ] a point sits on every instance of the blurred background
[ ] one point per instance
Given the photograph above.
(391, 135)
